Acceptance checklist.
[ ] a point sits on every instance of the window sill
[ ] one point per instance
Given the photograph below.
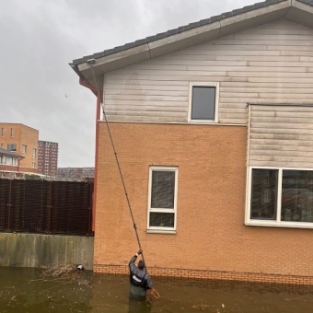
(161, 231)
(202, 122)
(302, 225)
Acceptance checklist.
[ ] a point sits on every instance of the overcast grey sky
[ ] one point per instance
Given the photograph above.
(40, 38)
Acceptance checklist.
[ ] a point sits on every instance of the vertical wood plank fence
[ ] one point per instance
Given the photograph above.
(41, 206)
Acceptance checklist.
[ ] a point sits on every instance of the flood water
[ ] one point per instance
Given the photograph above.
(24, 290)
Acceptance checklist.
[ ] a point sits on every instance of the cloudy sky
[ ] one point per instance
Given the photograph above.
(40, 38)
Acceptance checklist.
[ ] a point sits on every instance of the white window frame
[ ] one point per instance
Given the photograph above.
(34, 154)
(12, 132)
(203, 84)
(277, 222)
(24, 148)
(33, 164)
(154, 229)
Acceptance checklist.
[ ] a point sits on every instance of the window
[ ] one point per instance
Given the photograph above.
(33, 164)
(24, 148)
(2, 159)
(280, 197)
(34, 153)
(11, 147)
(9, 161)
(2, 145)
(12, 132)
(162, 199)
(203, 102)
(2, 132)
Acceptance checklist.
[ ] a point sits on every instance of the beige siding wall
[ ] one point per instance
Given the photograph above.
(280, 136)
(272, 63)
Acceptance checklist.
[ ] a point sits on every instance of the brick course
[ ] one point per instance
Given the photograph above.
(210, 275)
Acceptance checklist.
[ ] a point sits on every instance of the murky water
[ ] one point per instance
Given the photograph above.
(25, 291)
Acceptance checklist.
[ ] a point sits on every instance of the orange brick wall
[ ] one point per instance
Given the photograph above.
(210, 234)
(23, 135)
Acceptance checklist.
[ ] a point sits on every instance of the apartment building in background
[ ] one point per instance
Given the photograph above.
(22, 140)
(48, 158)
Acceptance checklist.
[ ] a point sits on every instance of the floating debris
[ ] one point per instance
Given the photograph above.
(59, 271)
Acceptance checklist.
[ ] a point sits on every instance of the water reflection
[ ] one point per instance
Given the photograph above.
(24, 291)
(135, 306)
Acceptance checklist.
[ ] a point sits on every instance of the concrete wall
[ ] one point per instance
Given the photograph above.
(33, 250)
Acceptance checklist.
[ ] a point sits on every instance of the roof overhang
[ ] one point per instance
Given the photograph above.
(93, 71)
(11, 154)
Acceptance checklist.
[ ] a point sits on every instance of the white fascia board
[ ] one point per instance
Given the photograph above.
(254, 18)
(118, 60)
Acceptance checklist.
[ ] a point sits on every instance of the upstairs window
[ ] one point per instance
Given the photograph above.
(12, 132)
(203, 102)
(280, 197)
(11, 147)
(2, 132)
(24, 148)
(34, 153)
(162, 208)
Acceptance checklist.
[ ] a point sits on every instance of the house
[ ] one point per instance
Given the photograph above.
(212, 126)
(76, 172)
(23, 140)
(9, 161)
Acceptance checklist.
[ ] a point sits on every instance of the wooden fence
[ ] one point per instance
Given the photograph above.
(41, 206)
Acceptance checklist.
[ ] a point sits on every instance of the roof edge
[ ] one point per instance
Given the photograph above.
(181, 29)
(190, 35)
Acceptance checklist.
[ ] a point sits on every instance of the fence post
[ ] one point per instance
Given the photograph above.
(49, 207)
(9, 206)
(90, 208)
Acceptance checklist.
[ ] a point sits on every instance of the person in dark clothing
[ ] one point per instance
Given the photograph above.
(140, 280)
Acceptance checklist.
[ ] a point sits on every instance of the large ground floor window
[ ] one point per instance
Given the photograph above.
(280, 197)
(162, 203)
